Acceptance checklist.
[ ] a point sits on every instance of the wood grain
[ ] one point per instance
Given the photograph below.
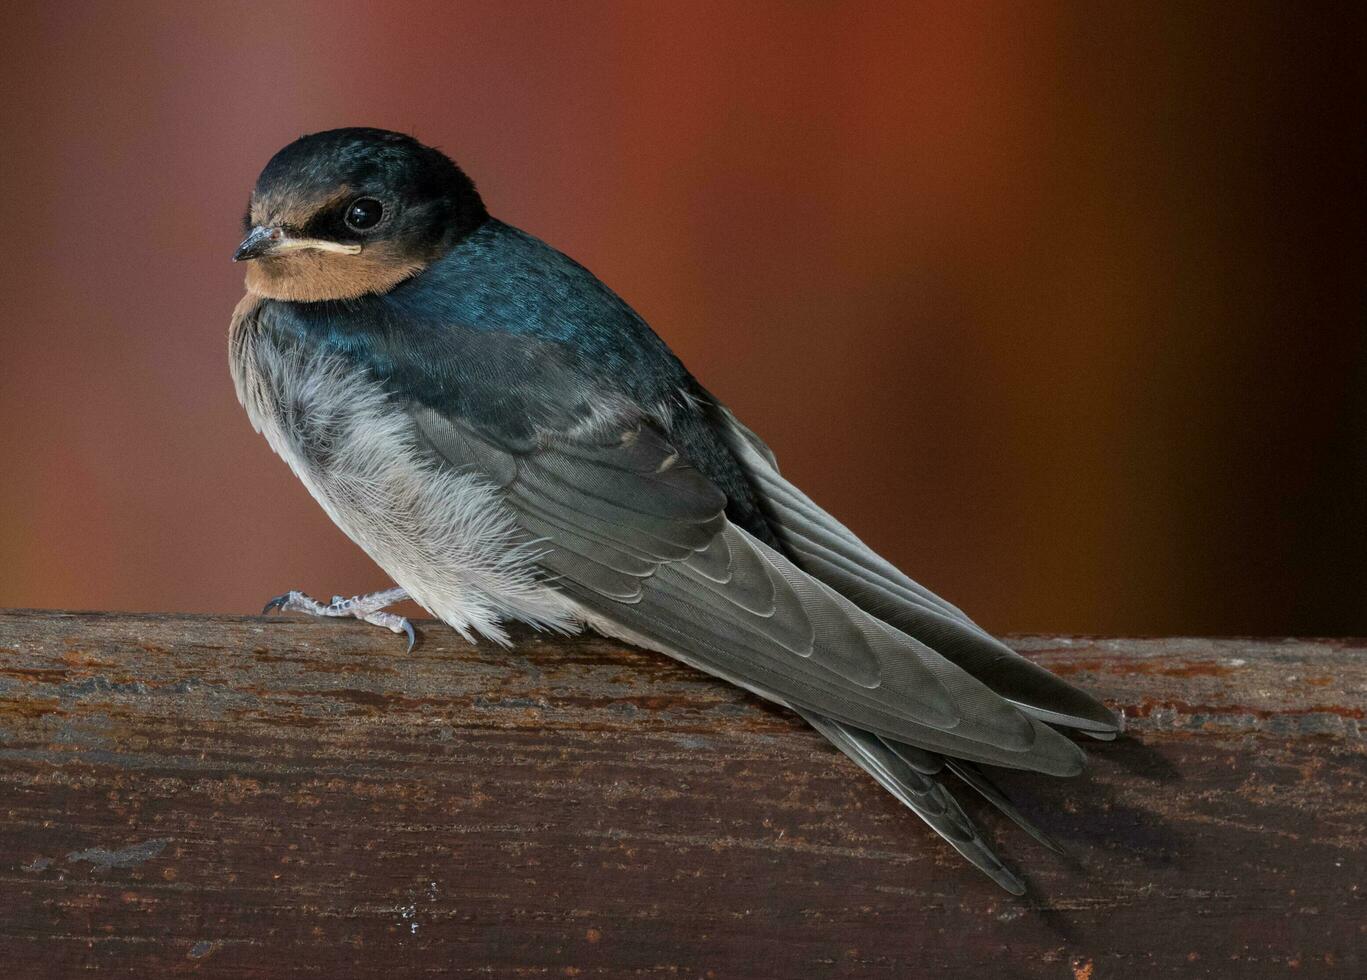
(264, 798)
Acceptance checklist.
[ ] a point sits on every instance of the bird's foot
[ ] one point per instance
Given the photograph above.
(369, 608)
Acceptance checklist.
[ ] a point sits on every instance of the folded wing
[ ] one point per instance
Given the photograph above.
(825, 549)
(640, 539)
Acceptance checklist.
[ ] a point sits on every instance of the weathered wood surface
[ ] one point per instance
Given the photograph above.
(270, 798)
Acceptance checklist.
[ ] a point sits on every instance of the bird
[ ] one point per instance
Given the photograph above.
(511, 442)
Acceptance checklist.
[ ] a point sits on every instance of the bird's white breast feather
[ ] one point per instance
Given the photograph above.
(443, 535)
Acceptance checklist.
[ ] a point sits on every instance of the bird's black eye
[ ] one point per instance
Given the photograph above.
(363, 213)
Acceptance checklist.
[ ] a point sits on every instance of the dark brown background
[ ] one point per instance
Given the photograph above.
(1058, 304)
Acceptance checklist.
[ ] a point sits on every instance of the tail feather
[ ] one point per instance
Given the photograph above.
(922, 793)
(931, 763)
(974, 777)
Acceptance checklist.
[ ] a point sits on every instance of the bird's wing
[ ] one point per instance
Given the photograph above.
(826, 550)
(640, 540)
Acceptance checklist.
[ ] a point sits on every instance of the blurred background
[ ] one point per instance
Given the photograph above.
(1059, 305)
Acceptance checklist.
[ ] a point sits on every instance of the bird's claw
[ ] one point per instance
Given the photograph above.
(395, 624)
(367, 608)
(277, 603)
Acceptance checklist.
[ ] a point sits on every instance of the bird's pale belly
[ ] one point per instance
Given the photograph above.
(441, 532)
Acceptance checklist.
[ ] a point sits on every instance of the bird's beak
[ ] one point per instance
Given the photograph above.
(265, 240)
(259, 241)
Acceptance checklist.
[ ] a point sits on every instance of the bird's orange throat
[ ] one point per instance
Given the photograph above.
(309, 277)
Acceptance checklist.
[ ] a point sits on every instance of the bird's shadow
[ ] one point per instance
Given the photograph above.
(1091, 816)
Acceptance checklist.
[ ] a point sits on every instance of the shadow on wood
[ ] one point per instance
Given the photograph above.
(254, 798)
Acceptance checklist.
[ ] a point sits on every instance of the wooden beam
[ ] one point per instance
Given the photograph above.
(265, 798)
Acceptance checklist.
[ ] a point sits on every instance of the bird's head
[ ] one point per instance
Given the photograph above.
(347, 212)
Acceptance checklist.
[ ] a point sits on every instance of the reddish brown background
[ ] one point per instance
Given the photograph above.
(1059, 304)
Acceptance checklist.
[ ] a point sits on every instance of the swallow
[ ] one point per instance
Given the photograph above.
(510, 441)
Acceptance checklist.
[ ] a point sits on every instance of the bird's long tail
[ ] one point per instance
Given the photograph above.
(913, 777)
(916, 778)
